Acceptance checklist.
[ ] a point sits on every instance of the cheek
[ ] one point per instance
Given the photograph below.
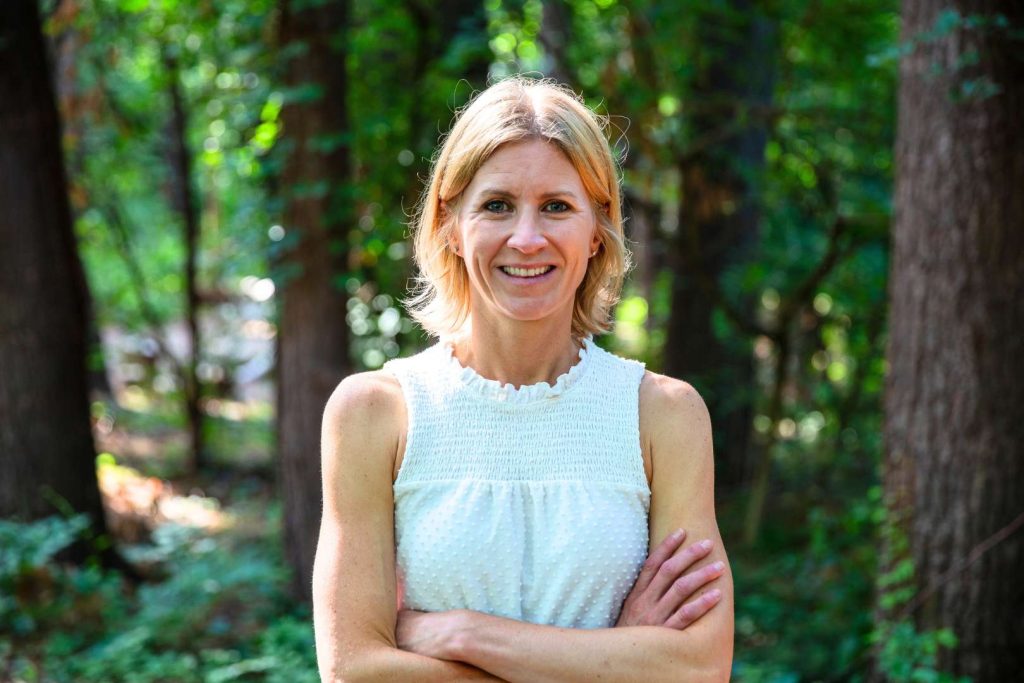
(480, 243)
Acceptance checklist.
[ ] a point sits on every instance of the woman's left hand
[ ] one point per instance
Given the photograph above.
(427, 633)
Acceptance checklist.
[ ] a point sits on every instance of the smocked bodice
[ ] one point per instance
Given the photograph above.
(528, 502)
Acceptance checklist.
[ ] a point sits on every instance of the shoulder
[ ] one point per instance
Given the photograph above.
(363, 393)
(674, 421)
(665, 400)
(364, 415)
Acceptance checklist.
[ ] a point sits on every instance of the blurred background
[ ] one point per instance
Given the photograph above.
(204, 227)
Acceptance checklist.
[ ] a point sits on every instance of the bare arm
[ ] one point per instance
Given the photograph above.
(530, 652)
(679, 430)
(354, 591)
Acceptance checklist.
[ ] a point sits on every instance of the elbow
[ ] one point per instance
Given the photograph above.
(350, 672)
(690, 671)
(695, 672)
(698, 659)
(720, 674)
(361, 665)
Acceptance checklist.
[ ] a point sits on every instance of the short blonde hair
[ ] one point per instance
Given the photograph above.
(513, 110)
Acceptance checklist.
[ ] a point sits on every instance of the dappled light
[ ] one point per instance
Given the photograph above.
(221, 214)
(136, 505)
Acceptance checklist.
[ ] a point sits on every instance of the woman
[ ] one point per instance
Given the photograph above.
(504, 487)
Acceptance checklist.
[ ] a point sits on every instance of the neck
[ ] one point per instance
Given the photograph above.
(518, 352)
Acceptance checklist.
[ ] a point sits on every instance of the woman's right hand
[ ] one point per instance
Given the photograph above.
(659, 596)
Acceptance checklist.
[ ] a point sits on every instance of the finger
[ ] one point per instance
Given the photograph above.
(694, 610)
(683, 588)
(673, 568)
(657, 557)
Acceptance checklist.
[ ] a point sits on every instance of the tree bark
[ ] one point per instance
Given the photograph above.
(954, 403)
(46, 441)
(313, 354)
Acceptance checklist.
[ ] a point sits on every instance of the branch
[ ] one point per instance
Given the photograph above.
(833, 255)
(972, 557)
(146, 308)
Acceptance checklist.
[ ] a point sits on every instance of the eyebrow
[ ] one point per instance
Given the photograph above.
(499, 192)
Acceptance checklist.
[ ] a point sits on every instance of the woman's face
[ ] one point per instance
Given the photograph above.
(525, 230)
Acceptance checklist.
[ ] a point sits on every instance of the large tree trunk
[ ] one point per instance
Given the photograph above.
(46, 446)
(954, 433)
(313, 335)
(718, 222)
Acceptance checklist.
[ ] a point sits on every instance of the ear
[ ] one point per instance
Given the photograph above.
(447, 215)
(595, 241)
(454, 243)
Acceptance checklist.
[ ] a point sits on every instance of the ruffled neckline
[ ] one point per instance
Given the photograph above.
(509, 393)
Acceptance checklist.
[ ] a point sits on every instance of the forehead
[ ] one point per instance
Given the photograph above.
(525, 167)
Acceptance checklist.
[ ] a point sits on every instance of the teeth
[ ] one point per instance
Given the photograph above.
(526, 272)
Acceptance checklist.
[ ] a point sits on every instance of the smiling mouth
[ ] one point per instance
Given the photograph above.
(526, 273)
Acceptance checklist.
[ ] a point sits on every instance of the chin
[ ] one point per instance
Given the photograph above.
(533, 313)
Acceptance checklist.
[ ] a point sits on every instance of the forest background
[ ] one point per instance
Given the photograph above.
(205, 227)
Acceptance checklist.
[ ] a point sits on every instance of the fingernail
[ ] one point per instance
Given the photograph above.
(718, 566)
(706, 544)
(715, 594)
(677, 534)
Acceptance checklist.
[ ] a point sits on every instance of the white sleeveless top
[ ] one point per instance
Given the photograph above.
(526, 503)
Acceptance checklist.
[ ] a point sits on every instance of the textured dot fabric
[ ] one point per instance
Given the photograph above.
(529, 503)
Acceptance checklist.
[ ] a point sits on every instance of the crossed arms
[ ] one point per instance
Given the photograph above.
(666, 632)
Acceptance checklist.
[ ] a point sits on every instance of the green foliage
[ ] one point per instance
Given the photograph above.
(805, 595)
(125, 188)
(37, 595)
(221, 615)
(805, 591)
(907, 656)
(904, 654)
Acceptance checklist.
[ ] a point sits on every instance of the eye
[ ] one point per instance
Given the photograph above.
(496, 205)
(557, 206)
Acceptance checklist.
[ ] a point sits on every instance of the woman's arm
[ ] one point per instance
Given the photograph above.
(522, 652)
(354, 593)
(679, 431)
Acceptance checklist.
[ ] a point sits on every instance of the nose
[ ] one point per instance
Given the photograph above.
(527, 235)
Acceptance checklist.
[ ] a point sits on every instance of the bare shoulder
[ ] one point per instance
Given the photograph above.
(363, 394)
(366, 414)
(675, 425)
(670, 404)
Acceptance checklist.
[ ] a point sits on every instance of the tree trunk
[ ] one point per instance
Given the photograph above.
(188, 206)
(718, 224)
(313, 334)
(954, 432)
(46, 442)
(555, 36)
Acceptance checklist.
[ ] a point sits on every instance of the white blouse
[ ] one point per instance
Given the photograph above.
(528, 503)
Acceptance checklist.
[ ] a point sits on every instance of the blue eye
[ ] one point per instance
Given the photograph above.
(496, 205)
(558, 206)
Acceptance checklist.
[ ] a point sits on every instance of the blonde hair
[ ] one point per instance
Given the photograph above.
(513, 110)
